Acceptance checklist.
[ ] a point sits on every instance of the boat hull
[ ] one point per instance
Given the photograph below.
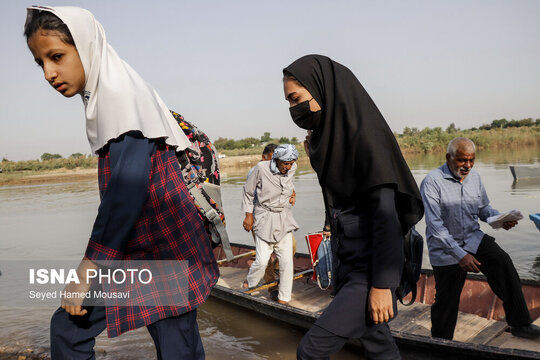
(476, 299)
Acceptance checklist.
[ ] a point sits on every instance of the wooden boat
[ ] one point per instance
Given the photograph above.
(524, 171)
(481, 332)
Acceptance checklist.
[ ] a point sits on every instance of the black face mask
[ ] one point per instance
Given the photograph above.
(303, 116)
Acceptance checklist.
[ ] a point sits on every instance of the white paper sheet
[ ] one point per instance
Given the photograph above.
(497, 221)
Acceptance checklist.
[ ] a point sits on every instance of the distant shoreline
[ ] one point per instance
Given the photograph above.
(63, 175)
(424, 142)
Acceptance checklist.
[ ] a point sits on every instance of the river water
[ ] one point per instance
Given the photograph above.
(53, 221)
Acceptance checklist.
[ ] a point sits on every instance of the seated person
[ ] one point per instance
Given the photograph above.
(271, 217)
(454, 199)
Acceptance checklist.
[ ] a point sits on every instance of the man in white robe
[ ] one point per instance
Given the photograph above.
(271, 217)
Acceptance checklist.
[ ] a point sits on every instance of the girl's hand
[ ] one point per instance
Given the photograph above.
(72, 308)
(380, 305)
(73, 305)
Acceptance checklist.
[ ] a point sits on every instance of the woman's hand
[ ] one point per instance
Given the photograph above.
(380, 305)
(306, 142)
(248, 222)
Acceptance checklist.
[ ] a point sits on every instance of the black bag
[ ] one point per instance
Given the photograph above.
(413, 246)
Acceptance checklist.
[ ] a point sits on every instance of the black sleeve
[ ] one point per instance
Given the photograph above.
(124, 198)
(388, 258)
(327, 219)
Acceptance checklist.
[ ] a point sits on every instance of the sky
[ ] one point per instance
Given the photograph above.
(424, 63)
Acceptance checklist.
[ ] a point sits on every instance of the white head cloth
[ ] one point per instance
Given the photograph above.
(284, 152)
(116, 98)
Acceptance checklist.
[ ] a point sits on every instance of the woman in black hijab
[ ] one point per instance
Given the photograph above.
(373, 201)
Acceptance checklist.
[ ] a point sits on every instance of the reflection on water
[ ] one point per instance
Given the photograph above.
(535, 270)
(227, 332)
(54, 221)
(526, 184)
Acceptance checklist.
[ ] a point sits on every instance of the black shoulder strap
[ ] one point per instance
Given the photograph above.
(408, 270)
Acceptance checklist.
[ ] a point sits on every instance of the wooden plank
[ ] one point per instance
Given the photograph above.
(416, 319)
(420, 324)
(469, 325)
(314, 300)
(305, 293)
(274, 283)
(232, 277)
(489, 333)
(236, 257)
(305, 296)
(310, 297)
(507, 340)
(406, 314)
(424, 348)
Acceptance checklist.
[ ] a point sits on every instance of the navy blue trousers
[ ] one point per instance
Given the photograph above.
(319, 344)
(73, 337)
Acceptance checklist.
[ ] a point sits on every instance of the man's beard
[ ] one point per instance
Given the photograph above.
(457, 172)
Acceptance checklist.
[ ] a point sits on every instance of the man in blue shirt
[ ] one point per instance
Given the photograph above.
(454, 199)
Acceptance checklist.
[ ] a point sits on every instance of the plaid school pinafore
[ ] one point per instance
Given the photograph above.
(169, 228)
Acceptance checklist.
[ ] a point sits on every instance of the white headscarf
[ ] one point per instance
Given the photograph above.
(284, 152)
(116, 98)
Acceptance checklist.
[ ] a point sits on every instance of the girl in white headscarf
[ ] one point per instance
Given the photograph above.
(146, 212)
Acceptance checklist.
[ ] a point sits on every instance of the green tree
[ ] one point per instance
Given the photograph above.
(526, 122)
(48, 156)
(501, 123)
(513, 123)
(283, 140)
(410, 131)
(76, 155)
(452, 128)
(294, 140)
(266, 137)
(251, 141)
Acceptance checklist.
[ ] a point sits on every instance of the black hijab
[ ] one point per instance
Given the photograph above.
(353, 149)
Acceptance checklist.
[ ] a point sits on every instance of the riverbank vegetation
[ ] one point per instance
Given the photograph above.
(50, 162)
(498, 134)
